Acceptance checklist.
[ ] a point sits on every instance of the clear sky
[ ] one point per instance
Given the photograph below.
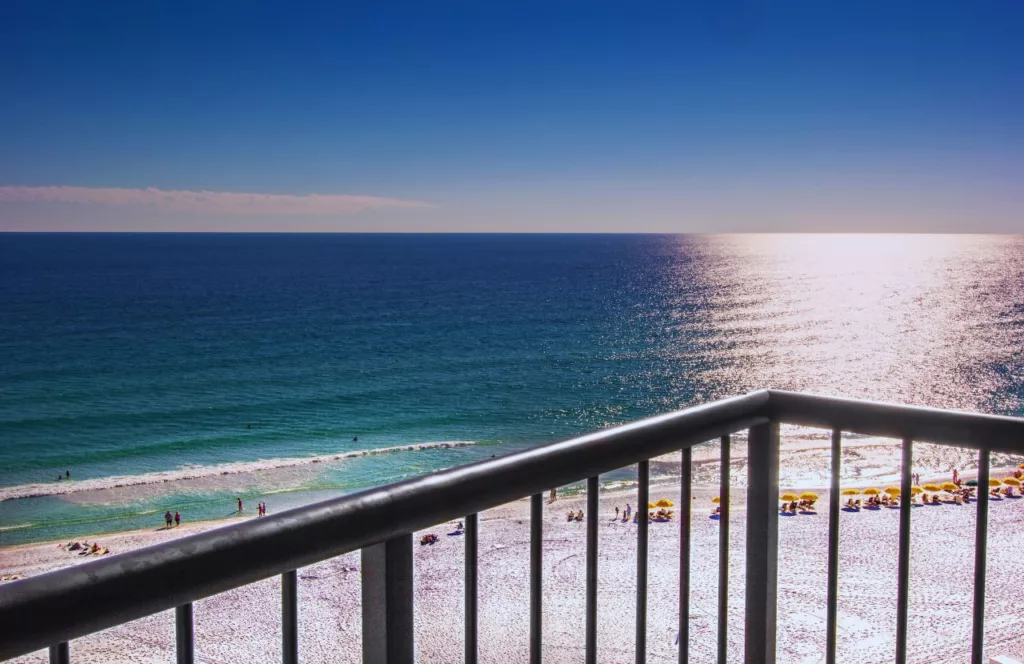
(512, 116)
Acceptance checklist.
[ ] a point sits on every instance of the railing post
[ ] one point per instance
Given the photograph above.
(762, 543)
(183, 634)
(60, 654)
(387, 602)
(536, 584)
(832, 612)
(289, 618)
(642, 521)
(593, 506)
(723, 553)
(980, 555)
(471, 647)
(903, 563)
(685, 517)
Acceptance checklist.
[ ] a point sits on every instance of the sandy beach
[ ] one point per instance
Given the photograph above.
(243, 625)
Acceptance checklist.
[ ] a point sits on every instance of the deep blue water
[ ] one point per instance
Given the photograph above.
(122, 355)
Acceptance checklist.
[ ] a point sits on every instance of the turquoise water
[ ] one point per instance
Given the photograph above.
(164, 361)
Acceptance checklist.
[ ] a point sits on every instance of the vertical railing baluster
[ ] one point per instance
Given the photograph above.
(833, 550)
(685, 514)
(642, 521)
(471, 589)
(980, 556)
(723, 553)
(593, 490)
(536, 550)
(289, 618)
(903, 588)
(387, 591)
(183, 634)
(762, 543)
(60, 654)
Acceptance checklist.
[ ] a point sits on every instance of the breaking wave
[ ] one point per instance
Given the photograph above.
(196, 472)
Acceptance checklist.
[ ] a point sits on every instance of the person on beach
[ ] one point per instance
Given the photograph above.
(177, 518)
(616, 513)
(552, 495)
(67, 474)
(956, 477)
(239, 505)
(168, 518)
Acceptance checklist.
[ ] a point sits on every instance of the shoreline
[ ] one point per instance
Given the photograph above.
(615, 487)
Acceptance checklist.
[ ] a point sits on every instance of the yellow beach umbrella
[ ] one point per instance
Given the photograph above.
(916, 490)
(1012, 481)
(808, 495)
(949, 486)
(851, 492)
(664, 502)
(651, 506)
(789, 496)
(893, 490)
(872, 491)
(932, 487)
(994, 482)
(716, 499)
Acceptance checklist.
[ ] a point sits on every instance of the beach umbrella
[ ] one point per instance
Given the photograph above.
(994, 482)
(808, 495)
(651, 506)
(1012, 481)
(893, 490)
(1021, 466)
(872, 491)
(916, 490)
(851, 492)
(935, 488)
(716, 499)
(972, 482)
(664, 502)
(949, 486)
(789, 496)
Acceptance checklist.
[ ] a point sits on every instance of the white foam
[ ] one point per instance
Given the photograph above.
(190, 472)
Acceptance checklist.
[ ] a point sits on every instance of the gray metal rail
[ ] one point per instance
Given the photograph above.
(380, 522)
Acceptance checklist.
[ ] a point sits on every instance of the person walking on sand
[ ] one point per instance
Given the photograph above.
(552, 495)
(177, 518)
(239, 505)
(168, 518)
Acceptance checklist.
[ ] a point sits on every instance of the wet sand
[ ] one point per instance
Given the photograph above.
(244, 625)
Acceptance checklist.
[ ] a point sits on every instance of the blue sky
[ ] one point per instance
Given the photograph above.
(491, 116)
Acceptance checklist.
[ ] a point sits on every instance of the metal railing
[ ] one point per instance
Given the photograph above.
(380, 523)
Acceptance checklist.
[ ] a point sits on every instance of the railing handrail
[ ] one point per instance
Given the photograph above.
(996, 433)
(133, 585)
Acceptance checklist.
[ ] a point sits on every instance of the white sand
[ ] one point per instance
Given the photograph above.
(244, 625)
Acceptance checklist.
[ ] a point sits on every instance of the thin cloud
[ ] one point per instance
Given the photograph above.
(206, 202)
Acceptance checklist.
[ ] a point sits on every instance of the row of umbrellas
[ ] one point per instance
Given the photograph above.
(931, 488)
(874, 491)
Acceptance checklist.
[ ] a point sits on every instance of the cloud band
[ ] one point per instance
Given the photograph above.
(206, 202)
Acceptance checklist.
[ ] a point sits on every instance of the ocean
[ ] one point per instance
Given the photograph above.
(180, 371)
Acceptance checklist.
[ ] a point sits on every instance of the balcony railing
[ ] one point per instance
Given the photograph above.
(380, 522)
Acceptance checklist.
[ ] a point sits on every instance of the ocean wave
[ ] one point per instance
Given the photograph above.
(196, 472)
